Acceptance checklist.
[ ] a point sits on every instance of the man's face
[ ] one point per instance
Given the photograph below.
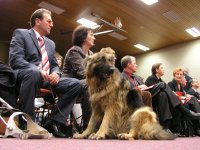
(183, 81)
(132, 65)
(195, 83)
(45, 24)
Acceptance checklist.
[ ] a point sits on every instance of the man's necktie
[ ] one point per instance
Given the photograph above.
(44, 65)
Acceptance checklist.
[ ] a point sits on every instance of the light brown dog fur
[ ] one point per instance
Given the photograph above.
(112, 117)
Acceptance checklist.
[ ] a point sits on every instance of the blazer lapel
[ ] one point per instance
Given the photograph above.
(35, 40)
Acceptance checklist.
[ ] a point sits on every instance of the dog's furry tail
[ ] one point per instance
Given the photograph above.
(145, 120)
(163, 135)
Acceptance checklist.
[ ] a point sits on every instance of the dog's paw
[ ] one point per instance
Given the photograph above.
(95, 136)
(79, 136)
(125, 136)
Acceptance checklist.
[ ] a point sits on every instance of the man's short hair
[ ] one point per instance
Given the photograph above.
(38, 14)
(191, 81)
(125, 60)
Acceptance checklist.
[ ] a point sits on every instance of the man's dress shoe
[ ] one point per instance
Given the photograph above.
(54, 128)
(197, 132)
(22, 123)
(191, 116)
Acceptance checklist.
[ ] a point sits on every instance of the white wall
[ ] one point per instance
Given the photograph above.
(181, 55)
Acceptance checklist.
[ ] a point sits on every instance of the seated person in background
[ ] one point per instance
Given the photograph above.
(155, 79)
(162, 96)
(74, 64)
(129, 66)
(76, 109)
(59, 59)
(194, 84)
(157, 71)
(177, 85)
(183, 82)
(31, 56)
(188, 78)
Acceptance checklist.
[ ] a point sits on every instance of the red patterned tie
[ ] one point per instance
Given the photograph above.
(44, 65)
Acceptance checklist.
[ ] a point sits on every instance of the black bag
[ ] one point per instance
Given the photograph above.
(7, 85)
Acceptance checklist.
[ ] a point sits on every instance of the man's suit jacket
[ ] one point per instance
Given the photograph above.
(25, 51)
(194, 93)
(187, 87)
(136, 78)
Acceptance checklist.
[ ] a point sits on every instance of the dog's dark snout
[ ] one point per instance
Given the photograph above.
(111, 70)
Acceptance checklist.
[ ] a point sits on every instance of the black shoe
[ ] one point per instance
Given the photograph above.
(22, 123)
(69, 131)
(77, 129)
(191, 116)
(179, 134)
(168, 131)
(54, 128)
(197, 132)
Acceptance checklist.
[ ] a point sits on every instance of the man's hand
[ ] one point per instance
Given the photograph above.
(45, 75)
(54, 78)
(142, 87)
(188, 97)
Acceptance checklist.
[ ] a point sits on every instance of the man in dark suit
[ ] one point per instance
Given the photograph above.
(162, 96)
(194, 84)
(188, 78)
(31, 56)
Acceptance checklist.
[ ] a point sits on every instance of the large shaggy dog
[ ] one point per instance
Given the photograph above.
(112, 114)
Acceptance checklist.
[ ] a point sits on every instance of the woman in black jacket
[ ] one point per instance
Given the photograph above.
(187, 100)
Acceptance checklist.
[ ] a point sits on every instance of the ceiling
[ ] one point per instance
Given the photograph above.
(144, 24)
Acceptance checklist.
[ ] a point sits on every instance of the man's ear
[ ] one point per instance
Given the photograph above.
(37, 21)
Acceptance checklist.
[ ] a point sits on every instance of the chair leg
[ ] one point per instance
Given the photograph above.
(43, 113)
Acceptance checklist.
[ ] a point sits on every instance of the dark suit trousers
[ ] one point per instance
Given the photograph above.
(194, 105)
(164, 100)
(147, 99)
(30, 80)
(161, 86)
